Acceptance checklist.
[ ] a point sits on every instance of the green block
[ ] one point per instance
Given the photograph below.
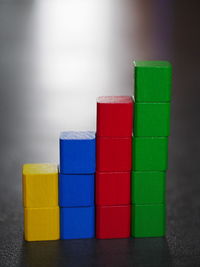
(152, 81)
(148, 220)
(152, 119)
(148, 187)
(150, 153)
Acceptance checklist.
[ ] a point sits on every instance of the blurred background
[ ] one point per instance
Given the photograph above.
(56, 57)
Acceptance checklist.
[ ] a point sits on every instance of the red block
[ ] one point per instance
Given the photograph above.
(112, 188)
(113, 154)
(112, 222)
(114, 116)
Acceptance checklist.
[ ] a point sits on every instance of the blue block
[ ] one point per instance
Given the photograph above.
(76, 190)
(77, 152)
(77, 223)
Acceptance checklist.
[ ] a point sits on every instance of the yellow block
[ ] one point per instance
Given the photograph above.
(41, 224)
(40, 185)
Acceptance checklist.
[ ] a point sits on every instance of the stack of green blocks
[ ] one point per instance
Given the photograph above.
(152, 96)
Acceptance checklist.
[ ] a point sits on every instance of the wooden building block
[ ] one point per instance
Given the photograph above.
(112, 188)
(114, 154)
(150, 153)
(152, 119)
(148, 220)
(112, 222)
(76, 190)
(41, 224)
(148, 187)
(152, 81)
(77, 152)
(114, 116)
(40, 185)
(77, 222)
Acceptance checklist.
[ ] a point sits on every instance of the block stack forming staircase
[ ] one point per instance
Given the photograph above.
(76, 184)
(114, 162)
(130, 161)
(152, 97)
(40, 201)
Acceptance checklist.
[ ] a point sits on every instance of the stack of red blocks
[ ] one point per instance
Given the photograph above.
(114, 162)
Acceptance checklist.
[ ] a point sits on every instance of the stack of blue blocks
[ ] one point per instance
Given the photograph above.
(76, 184)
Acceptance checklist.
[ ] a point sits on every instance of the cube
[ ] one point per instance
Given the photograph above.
(112, 222)
(112, 188)
(148, 220)
(77, 152)
(76, 190)
(41, 224)
(114, 116)
(40, 185)
(114, 154)
(148, 187)
(150, 153)
(152, 119)
(77, 222)
(152, 81)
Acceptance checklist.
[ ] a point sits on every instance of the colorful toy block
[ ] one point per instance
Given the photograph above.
(41, 224)
(152, 119)
(112, 188)
(40, 185)
(112, 222)
(77, 152)
(114, 116)
(77, 222)
(114, 154)
(148, 220)
(150, 146)
(76, 190)
(150, 153)
(152, 81)
(148, 187)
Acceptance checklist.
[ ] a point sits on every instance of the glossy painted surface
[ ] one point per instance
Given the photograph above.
(40, 185)
(148, 187)
(148, 220)
(153, 81)
(42, 224)
(77, 153)
(115, 116)
(76, 190)
(114, 154)
(152, 119)
(112, 188)
(77, 222)
(150, 153)
(113, 221)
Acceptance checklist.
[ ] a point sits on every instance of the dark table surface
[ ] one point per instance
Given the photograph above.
(56, 57)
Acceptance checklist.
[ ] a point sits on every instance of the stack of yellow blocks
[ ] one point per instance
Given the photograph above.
(40, 201)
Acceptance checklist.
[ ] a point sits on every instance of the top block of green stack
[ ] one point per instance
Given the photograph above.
(152, 81)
